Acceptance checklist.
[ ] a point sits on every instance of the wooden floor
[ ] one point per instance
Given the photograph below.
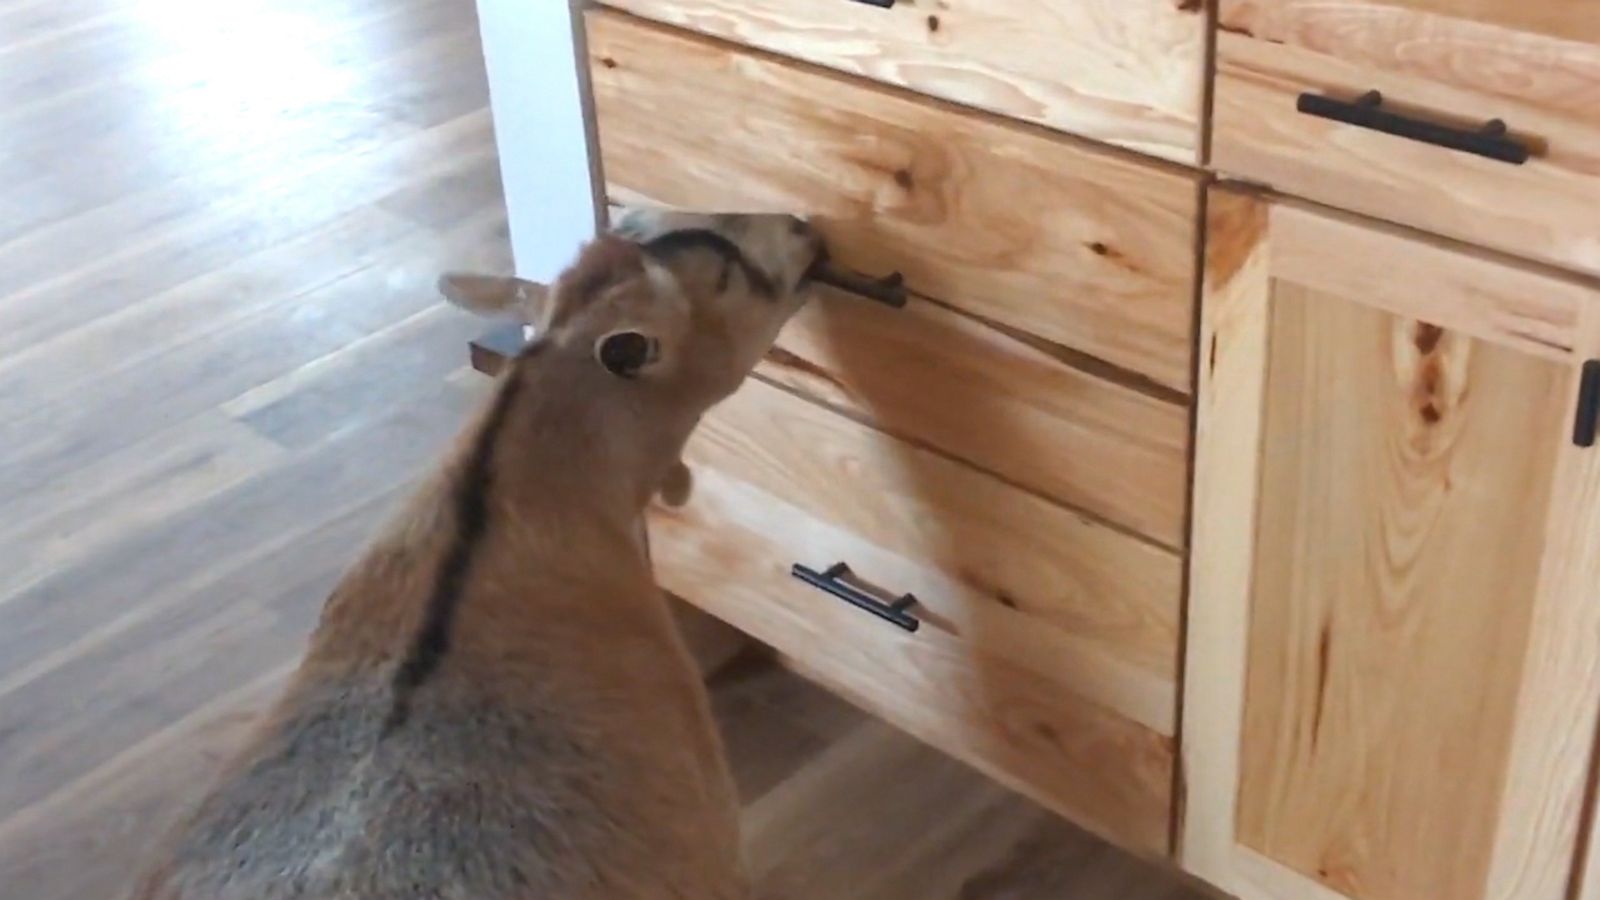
(221, 358)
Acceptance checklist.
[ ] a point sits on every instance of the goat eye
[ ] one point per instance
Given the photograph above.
(624, 353)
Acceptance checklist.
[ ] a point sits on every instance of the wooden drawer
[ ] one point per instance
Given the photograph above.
(1127, 72)
(1048, 644)
(1535, 64)
(1393, 642)
(1083, 248)
(998, 401)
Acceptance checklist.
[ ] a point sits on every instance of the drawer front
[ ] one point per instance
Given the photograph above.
(1048, 645)
(1127, 72)
(1091, 251)
(998, 401)
(1535, 65)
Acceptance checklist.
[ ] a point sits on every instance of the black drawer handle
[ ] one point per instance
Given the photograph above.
(890, 290)
(1586, 424)
(885, 4)
(1367, 111)
(829, 580)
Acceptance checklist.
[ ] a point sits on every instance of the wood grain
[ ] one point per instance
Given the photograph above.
(227, 146)
(163, 242)
(1440, 64)
(1550, 774)
(177, 468)
(1531, 310)
(1234, 310)
(1392, 592)
(1556, 18)
(997, 401)
(116, 815)
(993, 558)
(779, 480)
(1128, 73)
(975, 847)
(1085, 249)
(1391, 678)
(729, 552)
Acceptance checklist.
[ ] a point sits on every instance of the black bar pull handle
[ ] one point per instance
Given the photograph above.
(885, 4)
(1366, 111)
(1586, 425)
(829, 580)
(890, 290)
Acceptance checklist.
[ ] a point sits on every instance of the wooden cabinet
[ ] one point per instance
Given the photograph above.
(1458, 64)
(1393, 662)
(968, 448)
(1391, 644)
(1128, 72)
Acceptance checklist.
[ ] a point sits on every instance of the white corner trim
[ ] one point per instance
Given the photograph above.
(536, 95)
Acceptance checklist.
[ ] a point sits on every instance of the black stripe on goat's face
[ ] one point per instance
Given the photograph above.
(664, 246)
(773, 253)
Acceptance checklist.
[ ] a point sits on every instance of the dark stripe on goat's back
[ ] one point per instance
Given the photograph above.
(470, 499)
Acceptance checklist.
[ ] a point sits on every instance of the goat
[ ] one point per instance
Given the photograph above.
(495, 703)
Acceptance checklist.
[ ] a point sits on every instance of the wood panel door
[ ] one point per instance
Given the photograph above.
(1393, 663)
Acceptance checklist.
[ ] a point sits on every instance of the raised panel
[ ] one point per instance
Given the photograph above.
(1401, 469)
(1392, 667)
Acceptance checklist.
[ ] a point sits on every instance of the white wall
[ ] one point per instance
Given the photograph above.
(529, 47)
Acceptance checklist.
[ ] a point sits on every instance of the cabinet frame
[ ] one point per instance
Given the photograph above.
(1253, 242)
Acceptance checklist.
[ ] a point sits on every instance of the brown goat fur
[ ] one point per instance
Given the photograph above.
(496, 704)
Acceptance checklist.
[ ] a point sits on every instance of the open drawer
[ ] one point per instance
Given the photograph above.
(1080, 247)
(995, 400)
(1045, 646)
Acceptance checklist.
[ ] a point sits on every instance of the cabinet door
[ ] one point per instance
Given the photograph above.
(1393, 663)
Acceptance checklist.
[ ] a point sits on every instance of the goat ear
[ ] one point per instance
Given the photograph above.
(495, 295)
(626, 353)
